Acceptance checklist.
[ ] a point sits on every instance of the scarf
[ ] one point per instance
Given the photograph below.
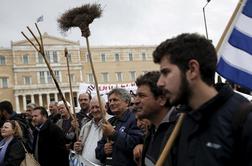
(3, 147)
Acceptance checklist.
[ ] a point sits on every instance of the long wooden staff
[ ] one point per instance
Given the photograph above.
(71, 92)
(231, 20)
(41, 51)
(170, 141)
(81, 17)
(70, 82)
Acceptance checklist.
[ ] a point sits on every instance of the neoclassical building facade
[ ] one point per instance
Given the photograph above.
(25, 78)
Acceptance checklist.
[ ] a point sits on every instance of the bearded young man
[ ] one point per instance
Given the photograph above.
(187, 65)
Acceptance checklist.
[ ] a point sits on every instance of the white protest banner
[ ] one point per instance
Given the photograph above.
(105, 88)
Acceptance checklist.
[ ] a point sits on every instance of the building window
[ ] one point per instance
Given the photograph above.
(117, 57)
(132, 75)
(51, 56)
(40, 58)
(45, 76)
(104, 77)
(69, 56)
(42, 77)
(27, 80)
(143, 56)
(130, 57)
(25, 59)
(57, 75)
(90, 78)
(119, 76)
(49, 77)
(103, 57)
(47, 55)
(2, 60)
(55, 57)
(87, 57)
(4, 82)
(72, 77)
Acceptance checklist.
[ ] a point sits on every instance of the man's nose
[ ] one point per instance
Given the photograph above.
(160, 82)
(136, 101)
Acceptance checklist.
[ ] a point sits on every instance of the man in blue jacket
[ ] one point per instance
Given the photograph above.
(121, 133)
(187, 65)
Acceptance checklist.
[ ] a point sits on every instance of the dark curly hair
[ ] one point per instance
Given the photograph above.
(150, 79)
(185, 47)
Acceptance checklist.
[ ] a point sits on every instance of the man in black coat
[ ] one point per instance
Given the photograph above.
(207, 137)
(49, 142)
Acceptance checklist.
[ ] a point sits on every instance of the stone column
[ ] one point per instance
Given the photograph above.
(24, 103)
(78, 104)
(32, 98)
(56, 96)
(40, 100)
(17, 104)
(48, 99)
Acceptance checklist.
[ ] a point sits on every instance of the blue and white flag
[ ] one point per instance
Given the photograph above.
(40, 19)
(235, 53)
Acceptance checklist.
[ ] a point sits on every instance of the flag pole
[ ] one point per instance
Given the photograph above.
(238, 6)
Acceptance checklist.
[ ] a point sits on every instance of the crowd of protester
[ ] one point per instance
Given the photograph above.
(133, 128)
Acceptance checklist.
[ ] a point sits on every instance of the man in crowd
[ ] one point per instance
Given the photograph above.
(54, 113)
(151, 103)
(118, 141)
(67, 124)
(83, 116)
(28, 111)
(91, 132)
(187, 65)
(49, 141)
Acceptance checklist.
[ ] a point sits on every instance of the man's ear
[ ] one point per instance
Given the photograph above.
(162, 100)
(193, 71)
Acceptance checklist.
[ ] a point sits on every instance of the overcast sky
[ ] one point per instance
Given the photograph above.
(123, 22)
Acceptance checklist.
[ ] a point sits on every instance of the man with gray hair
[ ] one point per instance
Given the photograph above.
(120, 133)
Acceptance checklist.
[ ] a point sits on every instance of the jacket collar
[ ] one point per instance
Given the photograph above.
(206, 110)
(124, 116)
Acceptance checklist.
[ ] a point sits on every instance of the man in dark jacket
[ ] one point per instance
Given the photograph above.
(187, 65)
(49, 141)
(118, 141)
(151, 103)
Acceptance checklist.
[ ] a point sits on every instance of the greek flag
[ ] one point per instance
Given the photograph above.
(235, 53)
(40, 19)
